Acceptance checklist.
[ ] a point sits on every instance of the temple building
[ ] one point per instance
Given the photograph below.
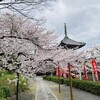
(68, 43)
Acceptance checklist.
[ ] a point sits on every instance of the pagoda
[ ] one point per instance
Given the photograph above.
(68, 43)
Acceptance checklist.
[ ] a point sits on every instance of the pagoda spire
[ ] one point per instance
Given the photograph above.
(68, 43)
(65, 30)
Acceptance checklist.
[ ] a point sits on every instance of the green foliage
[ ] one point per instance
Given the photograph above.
(23, 84)
(5, 72)
(66, 81)
(89, 86)
(1, 93)
(1, 98)
(4, 91)
(54, 79)
(44, 77)
(8, 88)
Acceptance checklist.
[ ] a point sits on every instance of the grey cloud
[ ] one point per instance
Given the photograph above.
(82, 17)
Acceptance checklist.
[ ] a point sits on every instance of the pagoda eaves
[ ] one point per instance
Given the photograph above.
(68, 43)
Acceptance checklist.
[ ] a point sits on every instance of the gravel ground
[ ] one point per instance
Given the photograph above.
(65, 93)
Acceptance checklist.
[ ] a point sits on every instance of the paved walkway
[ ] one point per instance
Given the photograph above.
(47, 90)
(43, 91)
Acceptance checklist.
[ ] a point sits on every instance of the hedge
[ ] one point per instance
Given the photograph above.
(4, 92)
(88, 86)
(2, 98)
(54, 79)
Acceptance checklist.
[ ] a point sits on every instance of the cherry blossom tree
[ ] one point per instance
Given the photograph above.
(55, 55)
(20, 40)
(34, 44)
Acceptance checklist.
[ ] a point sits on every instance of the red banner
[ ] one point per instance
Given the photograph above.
(85, 74)
(94, 66)
(57, 71)
(60, 72)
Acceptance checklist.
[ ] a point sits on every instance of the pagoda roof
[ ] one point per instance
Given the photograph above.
(68, 43)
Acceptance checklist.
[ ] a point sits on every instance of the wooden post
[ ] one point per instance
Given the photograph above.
(80, 76)
(93, 75)
(59, 77)
(70, 82)
(17, 87)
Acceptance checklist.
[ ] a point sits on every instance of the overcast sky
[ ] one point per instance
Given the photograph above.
(81, 16)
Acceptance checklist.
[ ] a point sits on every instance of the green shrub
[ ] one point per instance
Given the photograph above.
(4, 82)
(66, 81)
(54, 79)
(4, 72)
(4, 91)
(89, 86)
(44, 77)
(23, 84)
(61, 80)
(2, 98)
(1, 93)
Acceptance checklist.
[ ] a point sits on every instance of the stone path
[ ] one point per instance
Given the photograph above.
(43, 91)
(47, 90)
